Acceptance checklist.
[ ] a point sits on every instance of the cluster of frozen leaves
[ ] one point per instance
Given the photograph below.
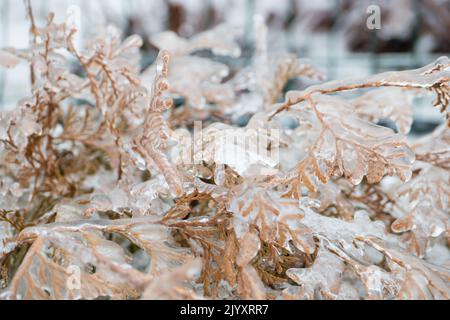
(96, 201)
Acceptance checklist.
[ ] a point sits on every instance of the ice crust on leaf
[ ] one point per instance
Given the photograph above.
(108, 189)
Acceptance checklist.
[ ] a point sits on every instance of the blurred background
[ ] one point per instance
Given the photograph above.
(332, 33)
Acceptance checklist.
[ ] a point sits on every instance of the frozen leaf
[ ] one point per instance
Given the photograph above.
(219, 39)
(269, 73)
(386, 103)
(175, 285)
(347, 146)
(151, 143)
(8, 60)
(81, 244)
(321, 279)
(250, 285)
(434, 77)
(256, 206)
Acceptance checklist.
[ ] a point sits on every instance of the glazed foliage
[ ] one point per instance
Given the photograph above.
(93, 179)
